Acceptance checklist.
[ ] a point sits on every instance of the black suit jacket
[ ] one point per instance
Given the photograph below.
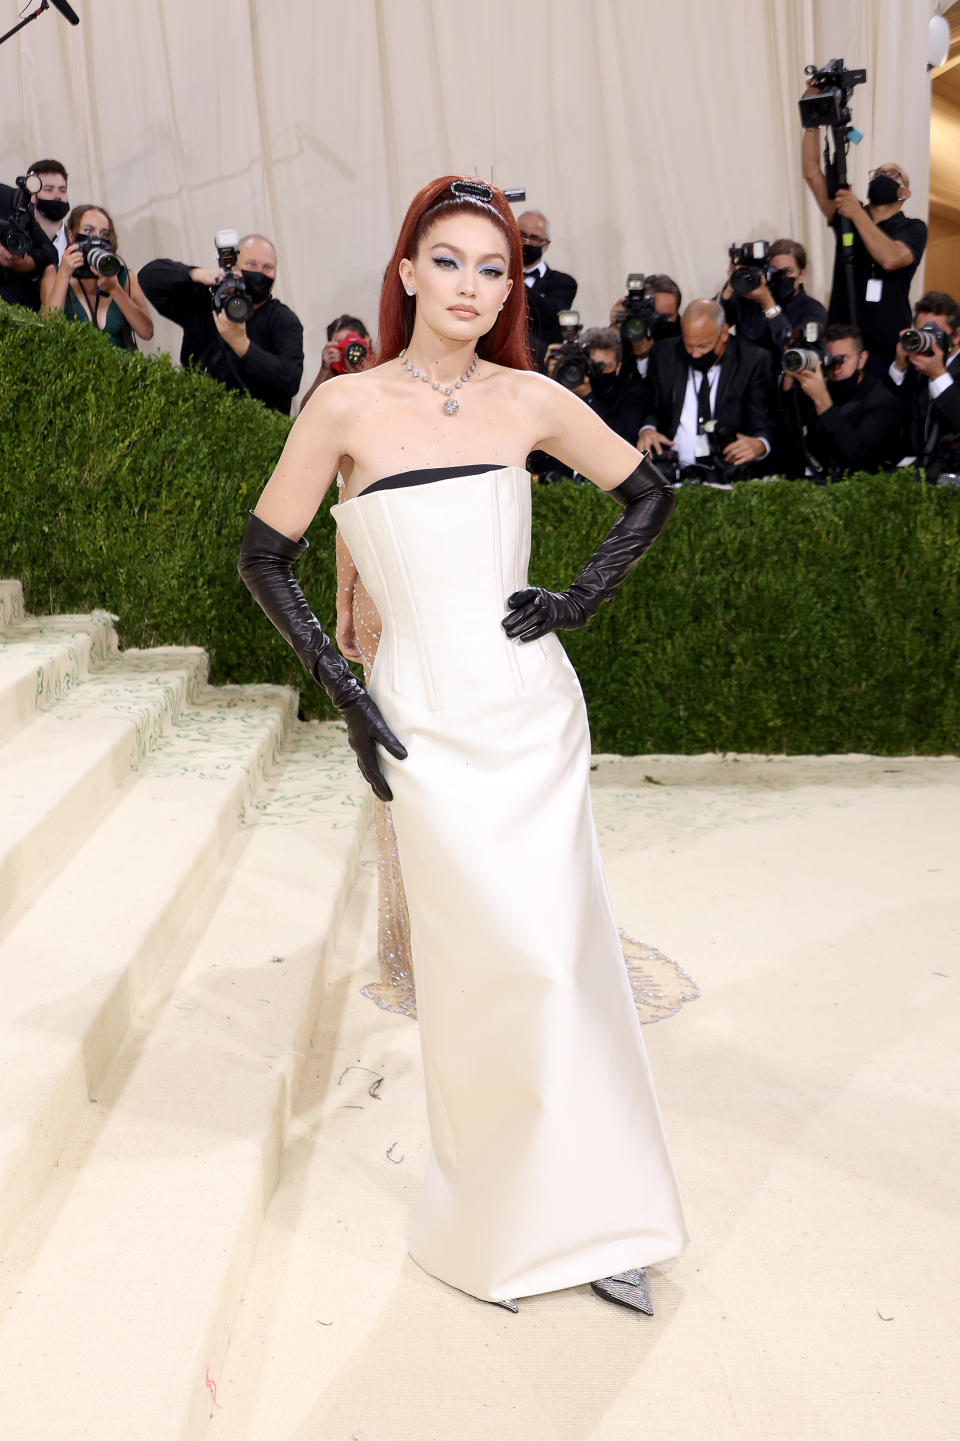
(546, 297)
(859, 434)
(743, 390)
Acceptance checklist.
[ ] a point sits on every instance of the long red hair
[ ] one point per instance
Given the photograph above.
(506, 342)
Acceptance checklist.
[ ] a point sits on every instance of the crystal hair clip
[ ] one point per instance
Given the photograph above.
(472, 190)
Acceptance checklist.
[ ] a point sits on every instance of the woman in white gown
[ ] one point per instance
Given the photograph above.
(548, 1164)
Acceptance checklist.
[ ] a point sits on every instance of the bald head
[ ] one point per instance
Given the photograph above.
(256, 252)
(704, 327)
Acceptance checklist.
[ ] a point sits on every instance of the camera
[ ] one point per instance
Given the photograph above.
(99, 258)
(926, 340)
(353, 351)
(832, 105)
(751, 266)
(639, 312)
(807, 350)
(570, 363)
(15, 230)
(230, 294)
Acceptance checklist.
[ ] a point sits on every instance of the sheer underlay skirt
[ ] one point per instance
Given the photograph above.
(395, 990)
(659, 985)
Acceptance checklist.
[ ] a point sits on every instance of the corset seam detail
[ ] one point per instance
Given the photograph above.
(512, 659)
(426, 675)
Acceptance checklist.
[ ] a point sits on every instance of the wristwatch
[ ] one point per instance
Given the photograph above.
(774, 310)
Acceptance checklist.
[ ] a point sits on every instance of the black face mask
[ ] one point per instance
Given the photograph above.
(602, 383)
(841, 390)
(258, 285)
(664, 328)
(783, 287)
(531, 253)
(53, 209)
(703, 362)
(882, 190)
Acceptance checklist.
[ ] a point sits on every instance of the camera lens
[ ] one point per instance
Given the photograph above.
(917, 342)
(355, 353)
(635, 328)
(571, 373)
(103, 262)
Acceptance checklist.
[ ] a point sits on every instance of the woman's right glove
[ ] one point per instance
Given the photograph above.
(265, 563)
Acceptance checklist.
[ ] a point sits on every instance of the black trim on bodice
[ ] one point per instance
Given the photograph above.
(424, 477)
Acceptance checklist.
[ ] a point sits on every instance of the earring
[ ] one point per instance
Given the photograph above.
(408, 290)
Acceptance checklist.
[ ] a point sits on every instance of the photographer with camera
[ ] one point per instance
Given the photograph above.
(926, 374)
(233, 328)
(25, 252)
(50, 204)
(548, 291)
(764, 298)
(848, 418)
(710, 398)
(592, 367)
(347, 350)
(643, 320)
(885, 246)
(93, 285)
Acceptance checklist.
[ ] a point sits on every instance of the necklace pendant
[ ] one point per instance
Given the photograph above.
(451, 407)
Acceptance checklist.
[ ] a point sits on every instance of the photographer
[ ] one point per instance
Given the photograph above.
(928, 385)
(50, 204)
(849, 419)
(346, 337)
(262, 356)
(615, 392)
(887, 248)
(666, 298)
(25, 252)
(91, 283)
(710, 395)
(768, 314)
(548, 291)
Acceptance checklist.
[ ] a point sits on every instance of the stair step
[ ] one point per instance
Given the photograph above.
(41, 658)
(57, 772)
(11, 602)
(124, 1277)
(76, 964)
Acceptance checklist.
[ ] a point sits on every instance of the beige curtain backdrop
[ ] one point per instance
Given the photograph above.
(653, 133)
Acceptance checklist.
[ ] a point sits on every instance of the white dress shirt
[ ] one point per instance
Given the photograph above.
(529, 276)
(60, 241)
(936, 386)
(686, 436)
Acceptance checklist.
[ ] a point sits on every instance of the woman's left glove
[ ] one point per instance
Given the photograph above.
(647, 502)
(265, 563)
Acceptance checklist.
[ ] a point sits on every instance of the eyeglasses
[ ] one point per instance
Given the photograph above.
(890, 170)
(536, 239)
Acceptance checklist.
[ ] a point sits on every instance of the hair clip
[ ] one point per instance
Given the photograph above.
(472, 189)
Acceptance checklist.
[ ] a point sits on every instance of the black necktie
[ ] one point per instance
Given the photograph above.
(703, 402)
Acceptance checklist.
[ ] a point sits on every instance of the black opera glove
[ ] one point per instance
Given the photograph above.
(265, 563)
(648, 502)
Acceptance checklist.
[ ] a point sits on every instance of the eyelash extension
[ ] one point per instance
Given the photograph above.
(444, 260)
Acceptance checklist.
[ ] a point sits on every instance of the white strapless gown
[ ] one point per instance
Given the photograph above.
(549, 1165)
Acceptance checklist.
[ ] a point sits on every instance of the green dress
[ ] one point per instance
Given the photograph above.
(114, 327)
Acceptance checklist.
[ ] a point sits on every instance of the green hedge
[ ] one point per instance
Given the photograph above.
(781, 617)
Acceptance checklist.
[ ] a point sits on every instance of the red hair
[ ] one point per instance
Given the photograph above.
(506, 342)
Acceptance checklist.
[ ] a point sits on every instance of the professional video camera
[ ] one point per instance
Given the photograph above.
(832, 105)
(230, 294)
(570, 363)
(639, 311)
(751, 266)
(15, 230)
(926, 340)
(807, 350)
(353, 351)
(99, 258)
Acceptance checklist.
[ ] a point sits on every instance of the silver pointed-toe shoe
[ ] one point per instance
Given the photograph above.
(507, 1305)
(629, 1288)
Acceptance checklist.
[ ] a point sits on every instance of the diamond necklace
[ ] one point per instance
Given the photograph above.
(450, 405)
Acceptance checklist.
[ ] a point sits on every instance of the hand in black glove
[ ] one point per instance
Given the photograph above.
(535, 612)
(266, 560)
(366, 729)
(647, 502)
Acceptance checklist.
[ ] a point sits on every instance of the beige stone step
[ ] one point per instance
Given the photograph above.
(58, 771)
(75, 963)
(118, 1293)
(41, 658)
